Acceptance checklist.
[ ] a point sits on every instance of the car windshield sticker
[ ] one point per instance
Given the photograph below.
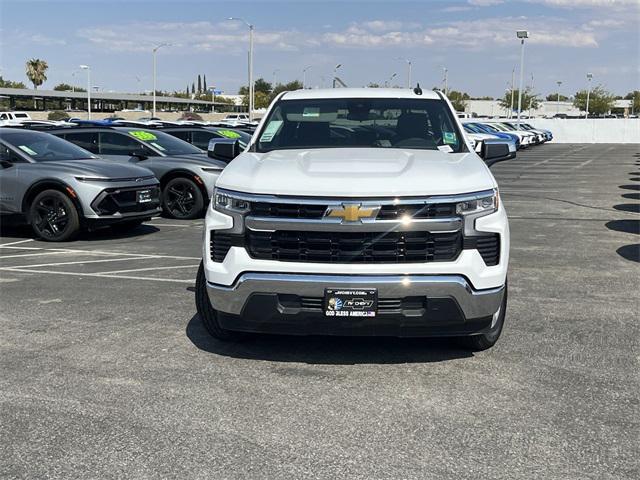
(142, 135)
(311, 112)
(158, 146)
(271, 130)
(449, 137)
(27, 150)
(229, 133)
(445, 148)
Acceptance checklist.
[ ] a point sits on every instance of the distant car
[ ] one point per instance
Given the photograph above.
(541, 136)
(200, 136)
(59, 188)
(482, 128)
(526, 138)
(187, 175)
(237, 116)
(13, 117)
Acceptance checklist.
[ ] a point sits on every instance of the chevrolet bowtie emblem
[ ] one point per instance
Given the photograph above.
(352, 212)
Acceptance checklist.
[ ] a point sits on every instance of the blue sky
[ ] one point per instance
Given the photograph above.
(474, 39)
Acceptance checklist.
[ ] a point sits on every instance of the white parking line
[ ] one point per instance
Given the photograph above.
(99, 275)
(103, 252)
(79, 262)
(149, 268)
(15, 243)
(31, 255)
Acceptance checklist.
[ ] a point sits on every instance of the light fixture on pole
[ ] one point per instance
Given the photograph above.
(589, 77)
(155, 49)
(409, 65)
(522, 35)
(88, 69)
(335, 70)
(304, 76)
(558, 101)
(251, 89)
(445, 80)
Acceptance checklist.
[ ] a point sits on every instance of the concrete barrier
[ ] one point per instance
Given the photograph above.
(597, 130)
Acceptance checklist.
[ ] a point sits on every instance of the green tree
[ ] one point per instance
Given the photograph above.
(11, 84)
(600, 100)
(553, 97)
(288, 87)
(57, 115)
(204, 83)
(458, 100)
(529, 100)
(193, 88)
(373, 85)
(65, 87)
(199, 84)
(36, 71)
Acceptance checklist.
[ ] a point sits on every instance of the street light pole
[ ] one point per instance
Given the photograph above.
(531, 97)
(409, 65)
(589, 77)
(446, 79)
(335, 70)
(88, 69)
(558, 101)
(251, 89)
(386, 84)
(275, 72)
(304, 76)
(521, 34)
(155, 49)
(513, 79)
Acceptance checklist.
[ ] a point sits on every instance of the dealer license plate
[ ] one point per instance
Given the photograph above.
(358, 302)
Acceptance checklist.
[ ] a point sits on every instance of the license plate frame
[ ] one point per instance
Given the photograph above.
(350, 302)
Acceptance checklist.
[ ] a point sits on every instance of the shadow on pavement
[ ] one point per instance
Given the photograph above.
(328, 350)
(626, 226)
(631, 196)
(628, 207)
(630, 252)
(11, 230)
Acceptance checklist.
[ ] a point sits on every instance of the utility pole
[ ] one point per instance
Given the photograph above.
(558, 101)
(513, 79)
(304, 76)
(589, 77)
(155, 49)
(521, 34)
(88, 69)
(531, 97)
(250, 61)
(445, 79)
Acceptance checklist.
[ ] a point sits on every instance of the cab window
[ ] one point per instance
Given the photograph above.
(86, 140)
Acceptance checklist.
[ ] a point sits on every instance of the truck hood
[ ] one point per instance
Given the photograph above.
(96, 168)
(357, 172)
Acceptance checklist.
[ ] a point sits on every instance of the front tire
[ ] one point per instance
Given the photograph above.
(182, 199)
(54, 217)
(484, 341)
(207, 313)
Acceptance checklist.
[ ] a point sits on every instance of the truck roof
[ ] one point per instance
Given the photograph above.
(357, 93)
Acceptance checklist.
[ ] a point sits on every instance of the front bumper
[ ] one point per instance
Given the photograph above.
(409, 305)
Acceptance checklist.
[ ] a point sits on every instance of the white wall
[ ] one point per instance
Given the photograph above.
(601, 130)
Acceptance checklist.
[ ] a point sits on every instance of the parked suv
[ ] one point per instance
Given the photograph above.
(58, 188)
(357, 212)
(187, 176)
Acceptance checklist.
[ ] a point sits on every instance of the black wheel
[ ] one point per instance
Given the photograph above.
(125, 226)
(487, 340)
(208, 314)
(182, 199)
(54, 217)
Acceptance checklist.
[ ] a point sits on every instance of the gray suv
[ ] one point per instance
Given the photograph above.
(60, 188)
(187, 175)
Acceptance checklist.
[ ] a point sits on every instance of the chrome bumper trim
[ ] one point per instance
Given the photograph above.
(270, 224)
(473, 303)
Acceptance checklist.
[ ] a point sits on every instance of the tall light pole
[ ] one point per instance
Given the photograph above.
(521, 34)
(531, 97)
(409, 65)
(513, 79)
(155, 49)
(558, 101)
(275, 72)
(304, 76)
(589, 77)
(445, 80)
(335, 71)
(88, 69)
(251, 89)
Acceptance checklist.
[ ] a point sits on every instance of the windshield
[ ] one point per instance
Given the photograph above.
(164, 143)
(43, 147)
(408, 123)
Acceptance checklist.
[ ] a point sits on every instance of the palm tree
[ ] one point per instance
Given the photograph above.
(36, 69)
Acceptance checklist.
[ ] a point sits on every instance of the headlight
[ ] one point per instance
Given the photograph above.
(482, 205)
(226, 202)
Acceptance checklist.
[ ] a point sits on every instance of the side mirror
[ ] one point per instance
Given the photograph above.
(224, 149)
(495, 151)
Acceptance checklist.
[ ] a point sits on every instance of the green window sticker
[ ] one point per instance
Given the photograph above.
(449, 137)
(27, 150)
(229, 133)
(142, 135)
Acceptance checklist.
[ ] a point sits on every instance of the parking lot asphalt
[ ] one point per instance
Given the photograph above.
(107, 372)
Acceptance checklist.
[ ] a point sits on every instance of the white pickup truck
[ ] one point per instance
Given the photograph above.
(356, 212)
(13, 117)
